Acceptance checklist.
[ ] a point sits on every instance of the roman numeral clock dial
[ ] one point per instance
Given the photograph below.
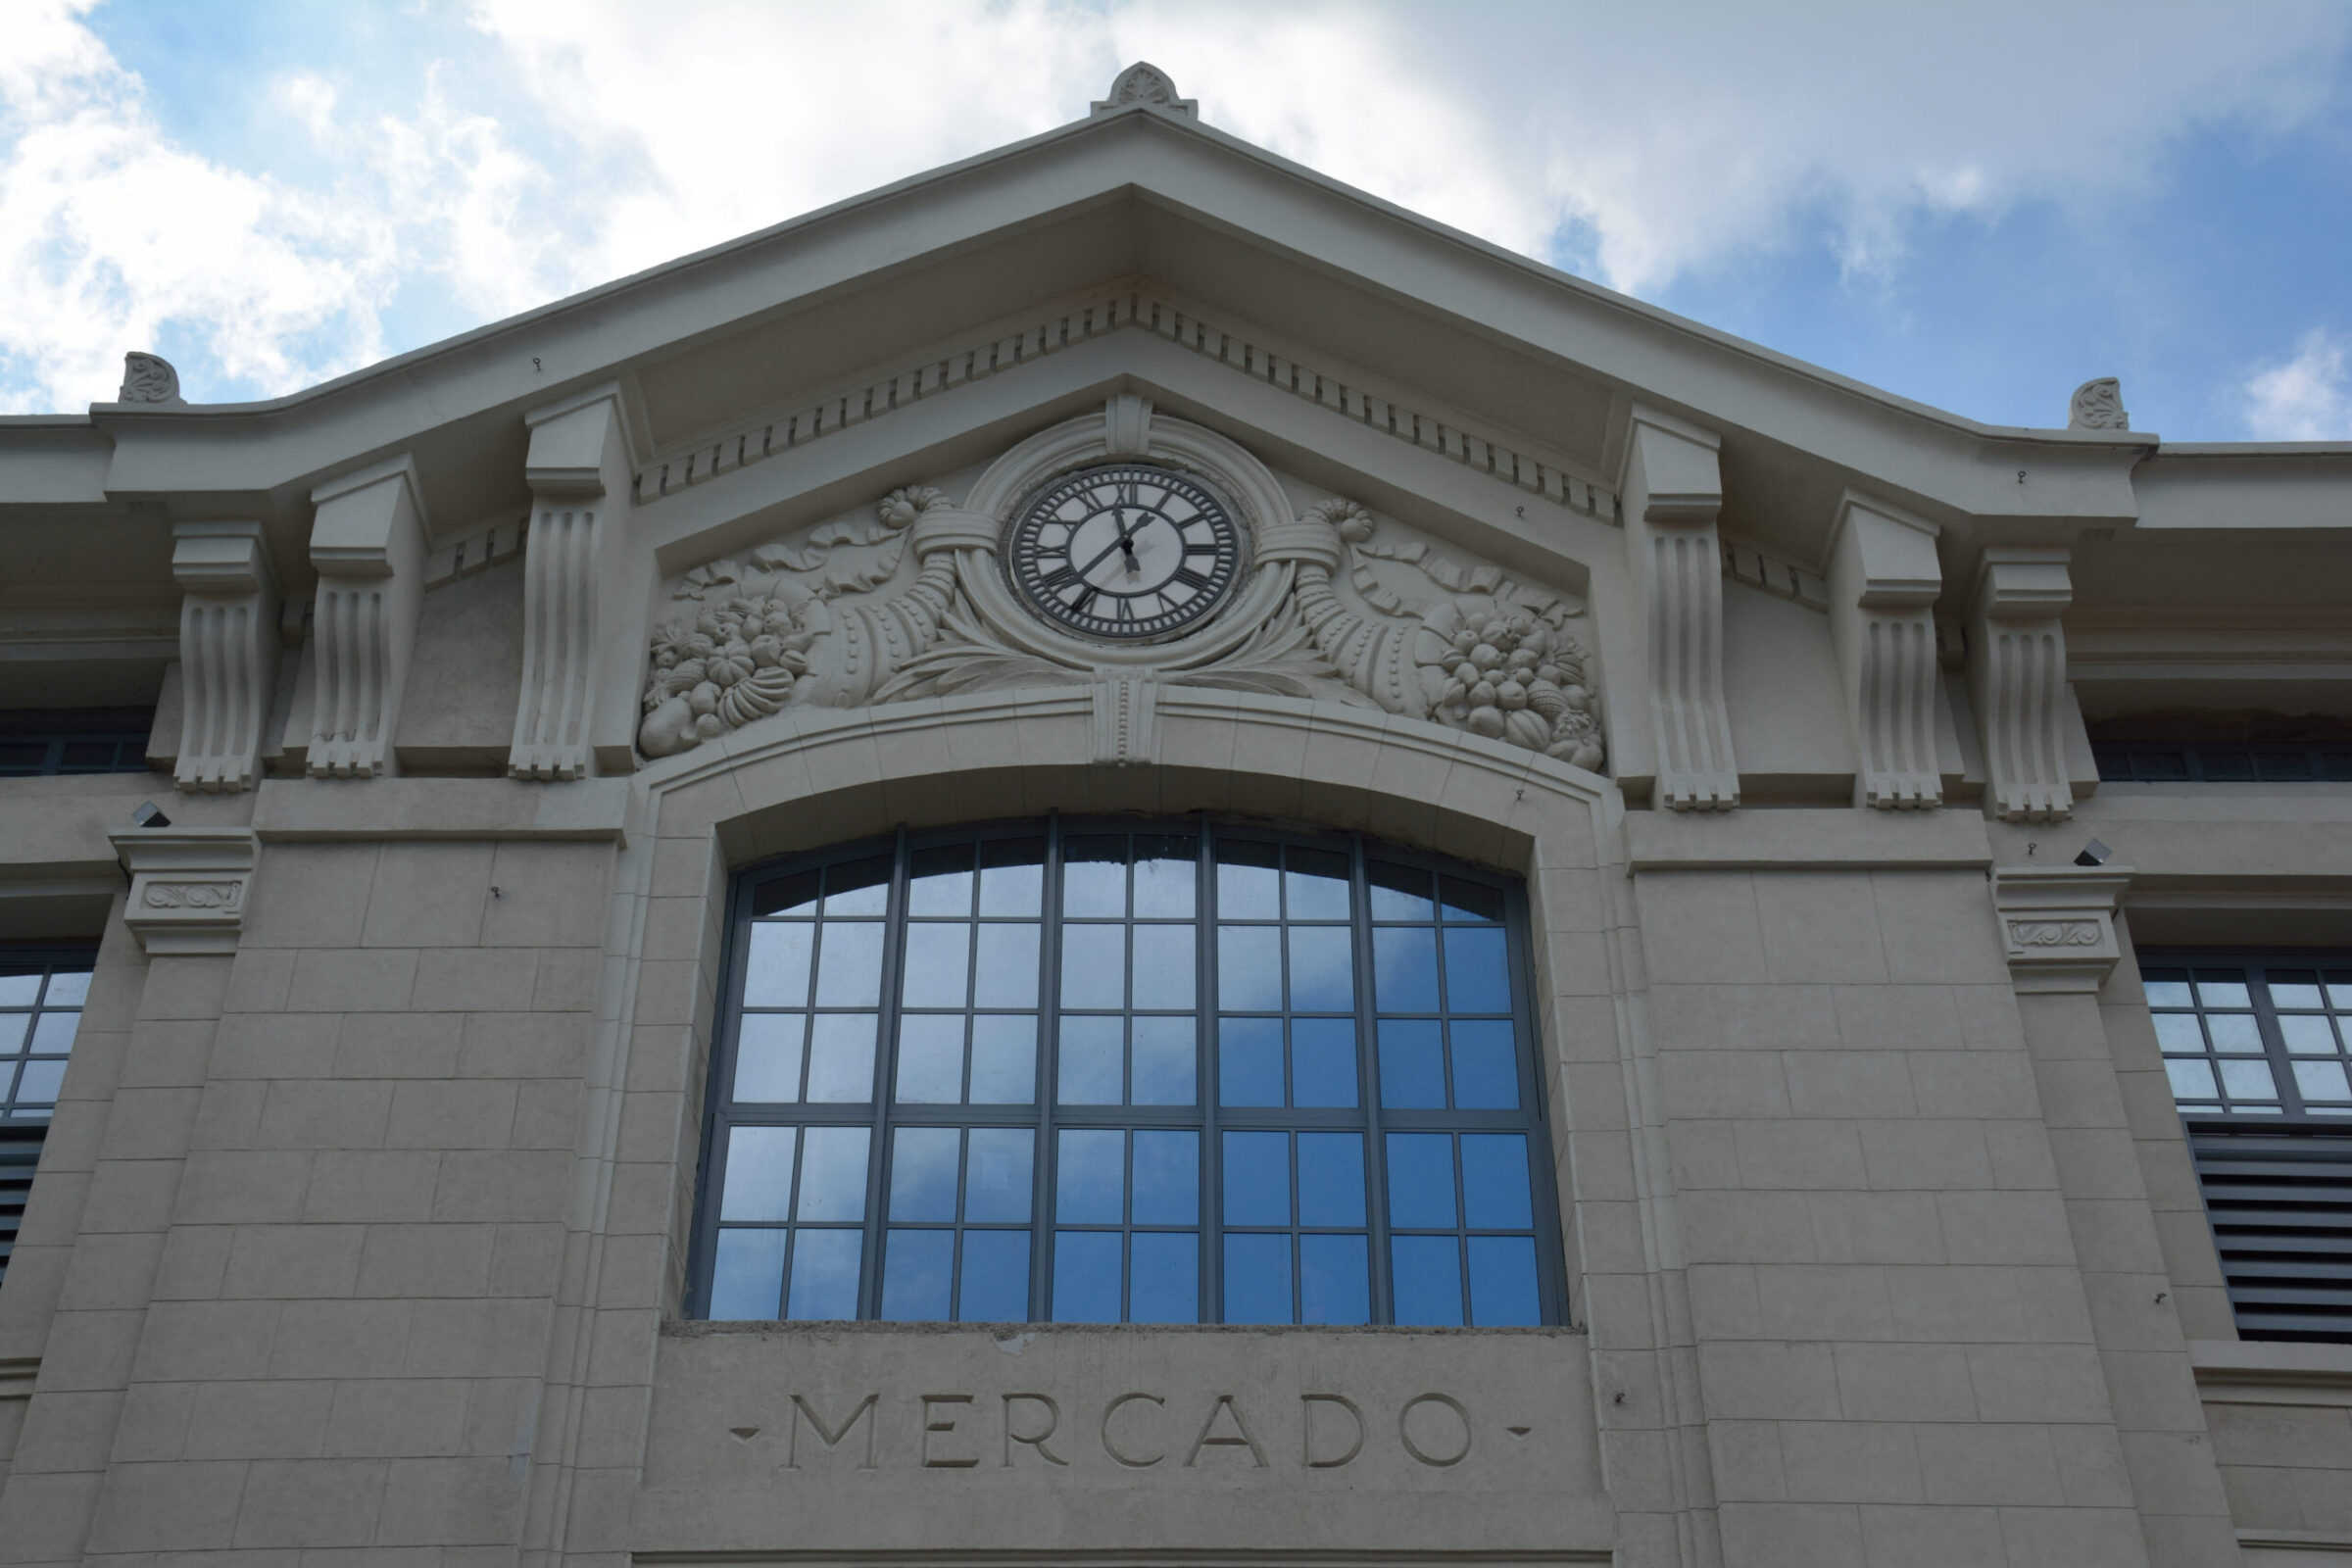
(1127, 552)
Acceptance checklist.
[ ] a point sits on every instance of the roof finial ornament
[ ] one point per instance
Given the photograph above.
(149, 378)
(1145, 83)
(2098, 405)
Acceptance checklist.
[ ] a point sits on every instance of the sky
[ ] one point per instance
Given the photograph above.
(1977, 205)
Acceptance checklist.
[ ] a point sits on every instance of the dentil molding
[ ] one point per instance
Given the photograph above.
(188, 887)
(2058, 924)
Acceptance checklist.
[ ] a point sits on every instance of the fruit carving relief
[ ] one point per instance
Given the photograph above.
(910, 603)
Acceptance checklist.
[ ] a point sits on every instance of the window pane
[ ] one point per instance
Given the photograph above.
(1334, 1279)
(1486, 1064)
(747, 1281)
(67, 988)
(19, 989)
(1331, 1179)
(1322, 968)
(2179, 1031)
(1469, 901)
(1085, 1277)
(1012, 876)
(1167, 1178)
(2248, 1080)
(930, 1059)
(1094, 876)
(1166, 867)
(2191, 1079)
(938, 881)
(1091, 1048)
(2317, 1080)
(1003, 1059)
(1249, 968)
(997, 1174)
(1163, 966)
(840, 1058)
(937, 967)
(759, 1180)
(40, 1081)
(1164, 1071)
(2167, 988)
(1247, 886)
(825, 1274)
(1476, 979)
(2222, 988)
(1412, 1064)
(775, 974)
(1094, 967)
(1007, 971)
(1258, 1279)
(1315, 885)
(919, 1271)
(1502, 1282)
(1398, 892)
(1089, 1177)
(1426, 1279)
(2233, 1032)
(1322, 1062)
(767, 1056)
(1164, 1277)
(849, 964)
(13, 1027)
(858, 888)
(832, 1174)
(53, 1032)
(2308, 1035)
(787, 895)
(1405, 968)
(922, 1173)
(2292, 989)
(1494, 1187)
(995, 1288)
(1257, 1181)
(1421, 1180)
(1249, 1062)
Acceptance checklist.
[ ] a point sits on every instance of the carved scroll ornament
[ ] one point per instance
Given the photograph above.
(1356, 613)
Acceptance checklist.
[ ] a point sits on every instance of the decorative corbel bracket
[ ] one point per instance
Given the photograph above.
(1883, 581)
(578, 471)
(188, 886)
(368, 542)
(1673, 495)
(1125, 718)
(227, 652)
(2058, 924)
(2017, 678)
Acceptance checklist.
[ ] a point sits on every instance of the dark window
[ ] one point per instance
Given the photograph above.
(41, 996)
(1173, 1072)
(2259, 1051)
(103, 739)
(2223, 749)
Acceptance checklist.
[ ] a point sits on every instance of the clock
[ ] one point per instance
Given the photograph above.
(1127, 550)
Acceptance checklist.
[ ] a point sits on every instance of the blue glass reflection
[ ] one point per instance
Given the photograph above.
(1166, 871)
(1012, 876)
(1094, 967)
(1476, 979)
(1502, 1282)
(995, 1288)
(832, 1174)
(938, 881)
(1005, 973)
(922, 1173)
(1167, 1178)
(1494, 1187)
(1249, 968)
(840, 1058)
(1258, 1180)
(997, 1174)
(1405, 968)
(1163, 1282)
(1331, 1179)
(1249, 1062)
(1163, 966)
(1003, 1059)
(930, 1059)
(747, 1281)
(918, 1270)
(857, 887)
(1334, 1279)
(1322, 1061)
(1090, 1176)
(1412, 1064)
(775, 972)
(1426, 1279)
(1085, 1276)
(1322, 968)
(825, 1274)
(1486, 1064)
(1315, 885)
(1164, 1073)
(1398, 892)
(849, 964)
(1421, 1180)
(759, 1183)
(1091, 1048)
(937, 970)
(767, 1056)
(1249, 888)
(1094, 877)
(1258, 1279)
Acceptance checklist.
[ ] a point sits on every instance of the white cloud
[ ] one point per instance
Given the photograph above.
(2305, 398)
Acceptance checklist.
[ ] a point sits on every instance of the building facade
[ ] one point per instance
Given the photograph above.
(1115, 856)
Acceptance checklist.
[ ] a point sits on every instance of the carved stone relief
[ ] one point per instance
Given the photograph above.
(1337, 604)
(2098, 405)
(149, 378)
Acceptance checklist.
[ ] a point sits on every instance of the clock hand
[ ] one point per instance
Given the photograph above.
(1120, 542)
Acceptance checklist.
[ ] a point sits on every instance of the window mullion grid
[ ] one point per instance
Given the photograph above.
(1367, 1090)
(1535, 1075)
(719, 1101)
(1213, 1078)
(1048, 1162)
(886, 1077)
(2273, 1044)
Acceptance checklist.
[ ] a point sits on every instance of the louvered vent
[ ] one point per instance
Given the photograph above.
(2280, 1204)
(20, 1152)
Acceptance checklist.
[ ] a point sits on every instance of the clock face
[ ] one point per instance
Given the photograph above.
(1127, 550)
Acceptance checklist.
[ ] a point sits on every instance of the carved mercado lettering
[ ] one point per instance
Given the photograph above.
(1034, 1440)
(831, 1437)
(1239, 1437)
(1119, 1454)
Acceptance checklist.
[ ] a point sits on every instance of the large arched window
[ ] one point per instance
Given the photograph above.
(1156, 1073)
